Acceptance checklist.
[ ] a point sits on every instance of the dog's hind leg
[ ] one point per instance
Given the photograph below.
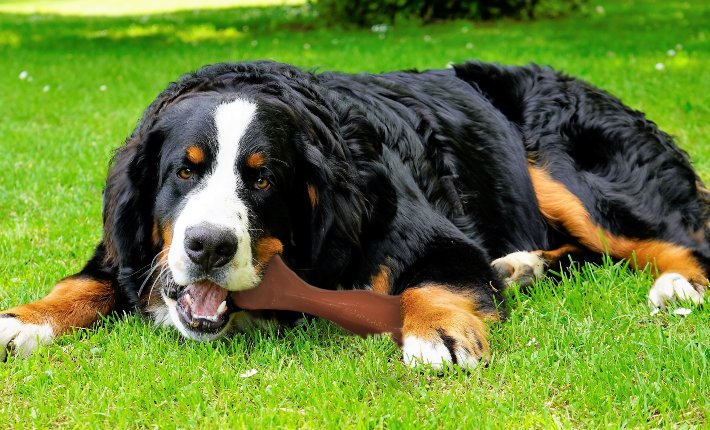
(678, 271)
(75, 302)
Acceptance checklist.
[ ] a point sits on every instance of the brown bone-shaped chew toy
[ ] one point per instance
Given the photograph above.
(359, 311)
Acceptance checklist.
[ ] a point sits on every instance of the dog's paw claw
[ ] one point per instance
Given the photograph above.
(21, 339)
(465, 349)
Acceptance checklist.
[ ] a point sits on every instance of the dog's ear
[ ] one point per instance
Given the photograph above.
(128, 203)
(128, 212)
(129, 198)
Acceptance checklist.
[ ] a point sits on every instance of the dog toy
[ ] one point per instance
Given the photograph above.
(358, 311)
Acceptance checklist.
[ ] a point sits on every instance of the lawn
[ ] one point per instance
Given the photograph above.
(583, 352)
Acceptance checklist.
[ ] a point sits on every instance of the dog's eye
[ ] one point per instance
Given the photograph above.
(262, 184)
(185, 173)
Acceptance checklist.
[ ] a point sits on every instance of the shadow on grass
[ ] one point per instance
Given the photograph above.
(620, 25)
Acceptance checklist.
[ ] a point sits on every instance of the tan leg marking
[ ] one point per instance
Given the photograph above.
(560, 206)
(443, 326)
(555, 256)
(73, 303)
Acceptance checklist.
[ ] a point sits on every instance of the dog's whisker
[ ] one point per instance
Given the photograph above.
(164, 271)
(145, 281)
(154, 267)
(149, 266)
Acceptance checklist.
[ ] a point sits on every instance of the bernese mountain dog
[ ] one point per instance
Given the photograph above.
(444, 186)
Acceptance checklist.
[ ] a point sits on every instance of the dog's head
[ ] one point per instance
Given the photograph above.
(228, 167)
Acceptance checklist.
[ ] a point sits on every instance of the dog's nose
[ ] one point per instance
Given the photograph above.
(210, 246)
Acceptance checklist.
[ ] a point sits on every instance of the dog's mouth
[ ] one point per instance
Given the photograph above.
(204, 306)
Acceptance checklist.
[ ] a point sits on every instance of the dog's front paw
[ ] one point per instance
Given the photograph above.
(440, 348)
(519, 268)
(21, 339)
(441, 327)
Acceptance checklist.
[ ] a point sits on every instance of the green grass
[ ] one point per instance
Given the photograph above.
(583, 352)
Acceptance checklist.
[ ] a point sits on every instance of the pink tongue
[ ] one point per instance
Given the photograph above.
(206, 297)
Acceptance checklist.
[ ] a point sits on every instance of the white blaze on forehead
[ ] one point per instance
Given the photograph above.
(231, 120)
(216, 201)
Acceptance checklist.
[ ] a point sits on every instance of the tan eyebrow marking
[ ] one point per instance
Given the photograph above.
(195, 154)
(256, 160)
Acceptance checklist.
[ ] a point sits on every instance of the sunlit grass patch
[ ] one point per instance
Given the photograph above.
(172, 32)
(127, 7)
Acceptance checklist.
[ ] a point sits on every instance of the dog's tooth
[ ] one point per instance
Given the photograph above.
(188, 299)
(220, 310)
(222, 307)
